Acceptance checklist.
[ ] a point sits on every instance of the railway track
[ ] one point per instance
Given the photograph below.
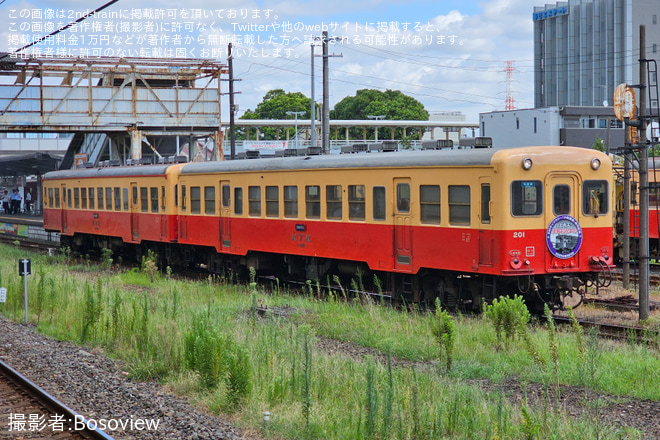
(32, 413)
(634, 334)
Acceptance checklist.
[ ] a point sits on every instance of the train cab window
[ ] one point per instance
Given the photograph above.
(195, 200)
(291, 201)
(403, 197)
(526, 197)
(83, 198)
(125, 198)
(313, 201)
(333, 201)
(153, 196)
(356, 202)
(209, 200)
(254, 201)
(117, 199)
(429, 204)
(459, 204)
(561, 199)
(654, 193)
(272, 201)
(226, 196)
(485, 203)
(68, 197)
(91, 198)
(76, 198)
(144, 199)
(176, 195)
(238, 201)
(379, 207)
(108, 199)
(595, 197)
(57, 197)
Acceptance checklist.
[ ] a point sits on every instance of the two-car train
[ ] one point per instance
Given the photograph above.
(462, 225)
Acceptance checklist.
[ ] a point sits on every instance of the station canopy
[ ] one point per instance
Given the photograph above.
(28, 164)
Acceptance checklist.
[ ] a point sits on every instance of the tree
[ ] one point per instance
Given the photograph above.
(274, 105)
(392, 104)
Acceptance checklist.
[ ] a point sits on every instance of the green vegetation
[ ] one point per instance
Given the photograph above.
(204, 339)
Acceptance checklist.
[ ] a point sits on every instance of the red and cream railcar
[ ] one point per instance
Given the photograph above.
(462, 225)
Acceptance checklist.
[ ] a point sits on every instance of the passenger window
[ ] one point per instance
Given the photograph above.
(195, 200)
(356, 202)
(83, 198)
(162, 199)
(183, 198)
(50, 197)
(209, 200)
(57, 197)
(68, 197)
(108, 199)
(238, 201)
(272, 201)
(429, 202)
(526, 197)
(485, 203)
(144, 199)
(76, 197)
(379, 208)
(333, 201)
(313, 201)
(135, 197)
(561, 199)
(125, 192)
(226, 196)
(291, 201)
(594, 197)
(403, 197)
(459, 204)
(91, 198)
(153, 193)
(117, 199)
(254, 201)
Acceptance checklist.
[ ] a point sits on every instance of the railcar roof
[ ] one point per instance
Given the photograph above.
(88, 173)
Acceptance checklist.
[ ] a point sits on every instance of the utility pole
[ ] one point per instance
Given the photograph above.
(232, 133)
(325, 127)
(644, 257)
(313, 110)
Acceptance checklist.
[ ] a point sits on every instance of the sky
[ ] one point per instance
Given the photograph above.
(448, 54)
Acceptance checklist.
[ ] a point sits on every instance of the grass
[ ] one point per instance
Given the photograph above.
(201, 338)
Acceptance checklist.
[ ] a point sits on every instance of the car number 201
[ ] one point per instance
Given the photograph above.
(518, 234)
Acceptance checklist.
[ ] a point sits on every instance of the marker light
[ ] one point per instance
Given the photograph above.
(527, 164)
(595, 163)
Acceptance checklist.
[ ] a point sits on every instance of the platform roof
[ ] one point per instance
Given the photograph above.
(28, 164)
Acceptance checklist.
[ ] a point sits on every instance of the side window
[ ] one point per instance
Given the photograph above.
(135, 197)
(313, 201)
(254, 201)
(333, 201)
(184, 199)
(144, 199)
(162, 199)
(429, 204)
(108, 199)
(117, 199)
(195, 200)
(238, 201)
(68, 197)
(125, 198)
(51, 203)
(209, 200)
(485, 203)
(459, 204)
(76, 197)
(57, 197)
(379, 208)
(291, 201)
(91, 198)
(526, 197)
(594, 197)
(83, 198)
(403, 197)
(226, 196)
(272, 201)
(153, 196)
(356, 202)
(561, 199)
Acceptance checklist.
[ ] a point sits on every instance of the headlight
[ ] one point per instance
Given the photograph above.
(595, 163)
(527, 164)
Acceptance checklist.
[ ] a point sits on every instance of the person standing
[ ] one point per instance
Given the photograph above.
(28, 201)
(6, 202)
(16, 202)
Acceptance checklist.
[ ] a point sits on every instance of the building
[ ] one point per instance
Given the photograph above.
(583, 49)
(571, 126)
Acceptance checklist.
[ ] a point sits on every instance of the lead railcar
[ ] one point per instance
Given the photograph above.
(465, 226)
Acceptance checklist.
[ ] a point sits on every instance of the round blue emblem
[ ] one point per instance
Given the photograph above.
(564, 237)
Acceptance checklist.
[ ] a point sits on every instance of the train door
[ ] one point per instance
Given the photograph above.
(402, 225)
(562, 219)
(225, 214)
(485, 229)
(65, 200)
(135, 212)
